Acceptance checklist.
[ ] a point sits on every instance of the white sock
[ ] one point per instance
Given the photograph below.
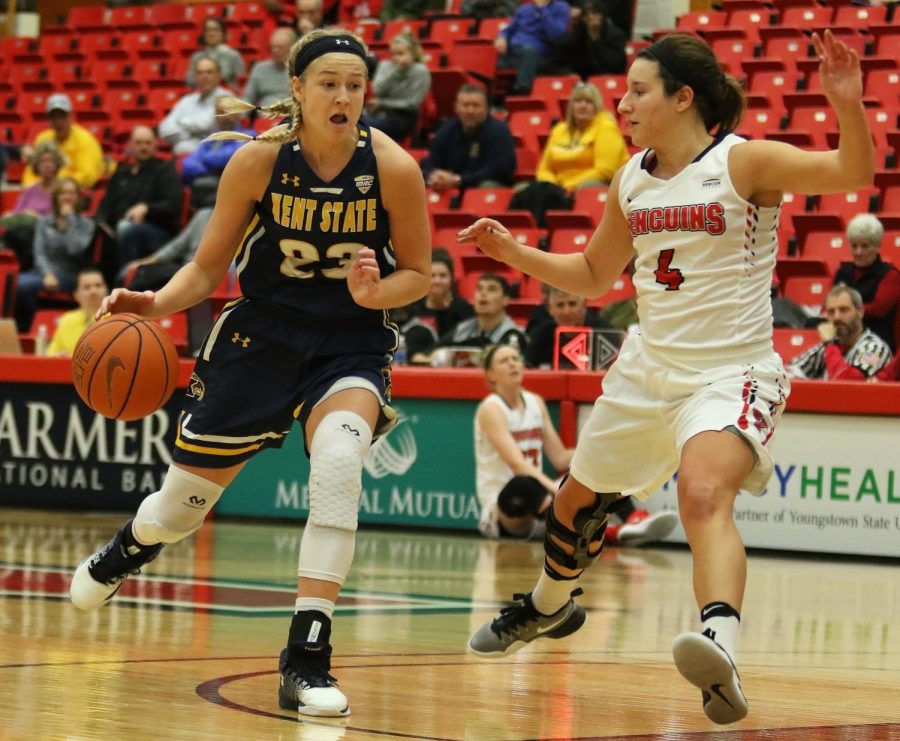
(550, 595)
(325, 606)
(724, 631)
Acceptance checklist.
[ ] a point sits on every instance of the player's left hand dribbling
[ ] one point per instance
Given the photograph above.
(364, 277)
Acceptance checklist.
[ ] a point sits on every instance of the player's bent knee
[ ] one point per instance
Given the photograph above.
(336, 460)
(177, 509)
(576, 549)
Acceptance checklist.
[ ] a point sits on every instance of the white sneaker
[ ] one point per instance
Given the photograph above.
(306, 683)
(705, 664)
(643, 527)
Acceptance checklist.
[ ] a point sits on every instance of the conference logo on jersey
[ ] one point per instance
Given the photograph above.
(364, 183)
(393, 453)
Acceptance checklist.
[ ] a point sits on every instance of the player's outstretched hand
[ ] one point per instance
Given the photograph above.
(839, 70)
(491, 237)
(364, 278)
(121, 300)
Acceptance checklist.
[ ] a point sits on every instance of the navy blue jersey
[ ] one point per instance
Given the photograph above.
(305, 232)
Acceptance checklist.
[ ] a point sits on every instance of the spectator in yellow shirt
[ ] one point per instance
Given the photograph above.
(89, 292)
(587, 148)
(83, 154)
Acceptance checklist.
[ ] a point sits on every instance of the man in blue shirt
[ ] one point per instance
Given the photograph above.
(526, 43)
(472, 150)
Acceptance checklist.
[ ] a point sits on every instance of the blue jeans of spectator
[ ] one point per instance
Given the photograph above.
(525, 60)
(30, 285)
(138, 240)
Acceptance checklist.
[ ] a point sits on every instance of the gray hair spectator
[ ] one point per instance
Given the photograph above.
(877, 281)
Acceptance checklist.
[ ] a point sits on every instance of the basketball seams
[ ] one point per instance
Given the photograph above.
(155, 330)
(137, 367)
(113, 335)
(109, 343)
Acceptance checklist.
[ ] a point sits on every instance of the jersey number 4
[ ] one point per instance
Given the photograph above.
(666, 275)
(299, 254)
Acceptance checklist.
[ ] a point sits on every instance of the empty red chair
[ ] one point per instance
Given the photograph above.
(847, 205)
(830, 247)
(701, 20)
(860, 16)
(789, 343)
(564, 241)
(490, 28)
(807, 16)
(486, 201)
(252, 14)
(87, 18)
(447, 30)
(808, 292)
(559, 219)
(130, 18)
(529, 125)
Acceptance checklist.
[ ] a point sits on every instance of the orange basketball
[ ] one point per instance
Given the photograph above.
(125, 366)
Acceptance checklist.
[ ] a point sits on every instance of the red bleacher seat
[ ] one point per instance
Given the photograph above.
(558, 219)
(564, 241)
(807, 292)
(130, 18)
(105, 46)
(529, 125)
(830, 247)
(439, 200)
(198, 12)
(176, 326)
(890, 198)
(847, 205)
(252, 14)
(789, 343)
(446, 30)
(591, 201)
(486, 201)
(787, 48)
(169, 16)
(526, 164)
(87, 18)
(621, 290)
(554, 88)
(701, 20)
(490, 28)
(884, 84)
(806, 16)
(531, 237)
(860, 16)
(732, 52)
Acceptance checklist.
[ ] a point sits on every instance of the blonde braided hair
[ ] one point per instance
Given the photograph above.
(285, 107)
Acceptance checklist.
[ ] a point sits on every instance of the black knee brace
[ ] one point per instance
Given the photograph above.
(590, 525)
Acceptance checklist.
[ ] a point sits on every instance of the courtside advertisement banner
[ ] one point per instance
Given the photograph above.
(835, 489)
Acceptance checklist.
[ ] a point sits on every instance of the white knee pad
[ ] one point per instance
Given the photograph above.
(335, 482)
(335, 477)
(177, 509)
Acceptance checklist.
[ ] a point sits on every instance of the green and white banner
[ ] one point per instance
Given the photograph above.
(836, 488)
(421, 473)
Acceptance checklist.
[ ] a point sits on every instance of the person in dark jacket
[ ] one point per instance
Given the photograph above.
(141, 209)
(877, 281)
(473, 149)
(594, 45)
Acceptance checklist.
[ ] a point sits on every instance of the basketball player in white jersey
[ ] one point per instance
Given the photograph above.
(513, 430)
(700, 389)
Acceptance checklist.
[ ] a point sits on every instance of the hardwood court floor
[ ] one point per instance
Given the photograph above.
(189, 651)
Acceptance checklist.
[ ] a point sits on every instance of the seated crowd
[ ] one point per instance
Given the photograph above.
(134, 217)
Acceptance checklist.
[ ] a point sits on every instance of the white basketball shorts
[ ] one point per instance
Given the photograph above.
(652, 405)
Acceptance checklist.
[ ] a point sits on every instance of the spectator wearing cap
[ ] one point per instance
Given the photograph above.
(81, 150)
(193, 117)
(268, 83)
(212, 40)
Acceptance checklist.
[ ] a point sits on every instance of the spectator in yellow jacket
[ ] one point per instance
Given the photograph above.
(587, 148)
(83, 154)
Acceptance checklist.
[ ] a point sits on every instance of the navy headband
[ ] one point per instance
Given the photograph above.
(341, 43)
(669, 61)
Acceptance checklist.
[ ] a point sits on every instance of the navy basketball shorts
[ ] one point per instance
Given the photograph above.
(256, 374)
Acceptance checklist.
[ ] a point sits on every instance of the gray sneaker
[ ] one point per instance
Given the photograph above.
(520, 623)
(705, 664)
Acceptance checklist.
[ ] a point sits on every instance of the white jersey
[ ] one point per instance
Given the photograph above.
(704, 257)
(491, 473)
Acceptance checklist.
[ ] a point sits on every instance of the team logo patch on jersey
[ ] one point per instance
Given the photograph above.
(712, 183)
(364, 183)
(290, 180)
(196, 388)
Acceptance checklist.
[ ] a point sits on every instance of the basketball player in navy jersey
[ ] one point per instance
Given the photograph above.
(700, 389)
(329, 221)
